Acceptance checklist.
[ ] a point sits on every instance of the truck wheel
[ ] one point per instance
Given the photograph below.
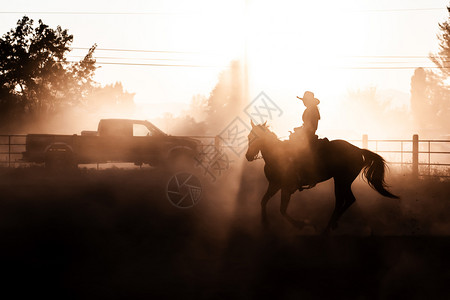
(58, 160)
(181, 160)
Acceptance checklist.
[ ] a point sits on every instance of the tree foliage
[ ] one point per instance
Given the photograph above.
(35, 76)
(211, 114)
(442, 58)
(110, 98)
(371, 112)
(429, 102)
(227, 99)
(430, 91)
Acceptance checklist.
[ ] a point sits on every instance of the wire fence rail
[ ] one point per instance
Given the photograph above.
(11, 150)
(415, 156)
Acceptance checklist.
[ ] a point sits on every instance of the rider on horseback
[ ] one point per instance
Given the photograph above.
(305, 139)
(311, 115)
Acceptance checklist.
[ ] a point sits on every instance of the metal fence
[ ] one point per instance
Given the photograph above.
(11, 149)
(419, 157)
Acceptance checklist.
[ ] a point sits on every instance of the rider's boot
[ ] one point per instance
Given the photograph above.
(305, 182)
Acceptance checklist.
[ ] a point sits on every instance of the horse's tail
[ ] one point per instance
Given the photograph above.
(374, 171)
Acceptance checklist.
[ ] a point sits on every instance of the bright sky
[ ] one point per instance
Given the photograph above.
(292, 46)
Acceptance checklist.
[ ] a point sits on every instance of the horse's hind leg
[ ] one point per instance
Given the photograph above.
(285, 198)
(344, 199)
(272, 189)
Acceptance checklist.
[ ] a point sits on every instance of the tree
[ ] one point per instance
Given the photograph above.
(210, 115)
(442, 58)
(198, 107)
(430, 92)
(419, 106)
(366, 110)
(370, 111)
(429, 102)
(110, 98)
(35, 77)
(226, 100)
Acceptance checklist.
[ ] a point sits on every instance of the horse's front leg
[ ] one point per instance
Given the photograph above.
(285, 198)
(272, 189)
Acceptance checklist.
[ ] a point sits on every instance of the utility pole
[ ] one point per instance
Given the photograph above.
(246, 91)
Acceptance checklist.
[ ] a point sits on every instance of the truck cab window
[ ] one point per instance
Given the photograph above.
(140, 130)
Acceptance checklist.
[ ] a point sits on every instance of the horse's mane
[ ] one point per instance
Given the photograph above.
(266, 129)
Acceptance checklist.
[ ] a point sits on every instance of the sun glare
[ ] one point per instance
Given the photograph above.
(214, 31)
(301, 45)
(297, 46)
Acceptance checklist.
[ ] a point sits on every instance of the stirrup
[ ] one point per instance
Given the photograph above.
(301, 186)
(309, 186)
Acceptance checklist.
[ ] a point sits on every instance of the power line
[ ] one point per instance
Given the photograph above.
(192, 52)
(388, 68)
(135, 50)
(194, 13)
(396, 62)
(358, 56)
(401, 9)
(153, 65)
(186, 60)
(209, 66)
(129, 58)
(218, 66)
(95, 13)
(386, 56)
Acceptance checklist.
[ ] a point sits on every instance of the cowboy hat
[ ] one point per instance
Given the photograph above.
(308, 98)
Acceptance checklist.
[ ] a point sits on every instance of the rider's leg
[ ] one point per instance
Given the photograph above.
(306, 173)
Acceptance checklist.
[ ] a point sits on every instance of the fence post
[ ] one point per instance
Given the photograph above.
(415, 155)
(365, 141)
(9, 151)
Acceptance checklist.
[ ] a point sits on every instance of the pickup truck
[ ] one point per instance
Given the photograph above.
(116, 140)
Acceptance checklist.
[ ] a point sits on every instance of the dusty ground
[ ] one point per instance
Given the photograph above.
(113, 234)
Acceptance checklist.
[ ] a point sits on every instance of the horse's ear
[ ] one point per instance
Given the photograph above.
(265, 123)
(251, 123)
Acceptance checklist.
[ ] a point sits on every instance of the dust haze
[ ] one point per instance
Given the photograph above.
(90, 229)
(88, 233)
(112, 231)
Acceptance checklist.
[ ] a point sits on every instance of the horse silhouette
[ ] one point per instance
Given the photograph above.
(336, 159)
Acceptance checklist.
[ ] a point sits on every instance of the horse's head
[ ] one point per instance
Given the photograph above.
(256, 139)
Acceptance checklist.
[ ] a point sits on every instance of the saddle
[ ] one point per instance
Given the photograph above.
(300, 140)
(307, 154)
